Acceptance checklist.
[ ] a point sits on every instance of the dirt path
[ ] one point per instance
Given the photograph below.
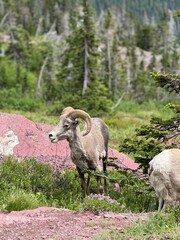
(60, 224)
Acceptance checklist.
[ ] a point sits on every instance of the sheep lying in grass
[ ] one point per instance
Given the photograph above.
(164, 177)
(87, 147)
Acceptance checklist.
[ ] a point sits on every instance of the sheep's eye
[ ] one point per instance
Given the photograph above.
(66, 126)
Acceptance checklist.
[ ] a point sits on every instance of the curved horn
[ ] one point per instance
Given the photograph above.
(67, 110)
(77, 113)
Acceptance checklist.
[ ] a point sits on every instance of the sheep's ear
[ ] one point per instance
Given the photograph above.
(76, 122)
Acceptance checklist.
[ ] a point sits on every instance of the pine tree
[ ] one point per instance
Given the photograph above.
(79, 75)
(116, 71)
(108, 28)
(20, 51)
(169, 81)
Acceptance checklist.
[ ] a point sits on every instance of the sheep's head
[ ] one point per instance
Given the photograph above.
(68, 124)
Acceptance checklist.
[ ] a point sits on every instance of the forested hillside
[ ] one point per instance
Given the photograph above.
(92, 54)
(148, 11)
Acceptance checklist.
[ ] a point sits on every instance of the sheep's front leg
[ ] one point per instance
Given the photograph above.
(105, 171)
(83, 182)
(87, 185)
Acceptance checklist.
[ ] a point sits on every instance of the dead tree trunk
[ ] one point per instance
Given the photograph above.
(40, 79)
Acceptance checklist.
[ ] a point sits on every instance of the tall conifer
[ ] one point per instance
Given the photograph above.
(80, 67)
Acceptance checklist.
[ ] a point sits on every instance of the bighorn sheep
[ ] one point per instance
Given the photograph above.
(164, 177)
(88, 147)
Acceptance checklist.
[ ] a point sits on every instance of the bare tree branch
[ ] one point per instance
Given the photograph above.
(3, 20)
(118, 101)
(39, 86)
(85, 82)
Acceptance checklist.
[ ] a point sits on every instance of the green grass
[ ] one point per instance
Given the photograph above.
(39, 116)
(159, 226)
(18, 200)
(145, 111)
(91, 223)
(121, 128)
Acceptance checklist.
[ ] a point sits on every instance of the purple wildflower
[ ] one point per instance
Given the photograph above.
(101, 197)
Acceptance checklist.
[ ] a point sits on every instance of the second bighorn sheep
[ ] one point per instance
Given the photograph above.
(89, 148)
(164, 177)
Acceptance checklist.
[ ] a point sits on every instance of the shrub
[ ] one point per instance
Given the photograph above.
(55, 108)
(28, 175)
(63, 189)
(97, 203)
(134, 194)
(52, 188)
(67, 190)
(14, 98)
(28, 104)
(20, 200)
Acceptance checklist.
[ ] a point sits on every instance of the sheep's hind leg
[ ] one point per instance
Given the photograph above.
(161, 204)
(99, 183)
(83, 182)
(100, 187)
